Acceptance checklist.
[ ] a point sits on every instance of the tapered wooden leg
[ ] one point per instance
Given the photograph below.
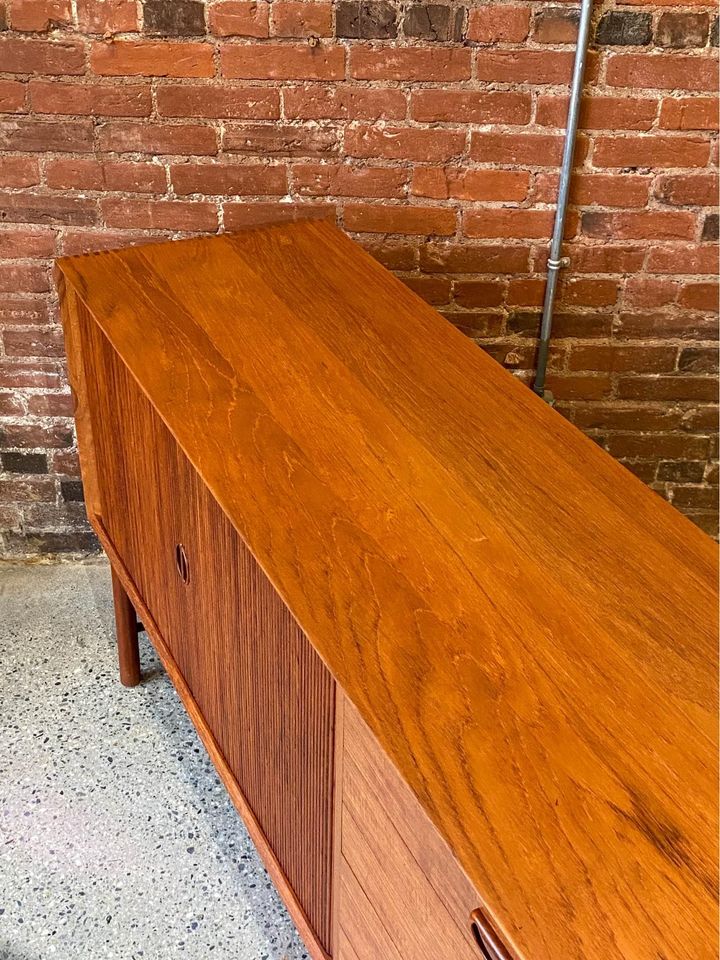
(126, 628)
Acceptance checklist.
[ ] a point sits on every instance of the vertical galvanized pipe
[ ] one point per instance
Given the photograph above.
(555, 261)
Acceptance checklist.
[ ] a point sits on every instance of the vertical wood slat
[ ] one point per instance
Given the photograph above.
(260, 686)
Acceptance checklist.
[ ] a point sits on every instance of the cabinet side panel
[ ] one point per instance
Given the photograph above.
(402, 891)
(72, 312)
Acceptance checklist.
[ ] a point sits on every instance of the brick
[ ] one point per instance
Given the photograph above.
(666, 71)
(650, 151)
(624, 28)
(66, 462)
(599, 112)
(424, 221)
(710, 227)
(341, 103)
(626, 417)
(410, 63)
(71, 491)
(433, 290)
(393, 254)
(670, 388)
(27, 489)
(26, 463)
(23, 311)
(580, 291)
(656, 444)
(113, 176)
(520, 148)
(434, 21)
(605, 258)
(666, 325)
(11, 405)
(41, 136)
(478, 293)
(682, 30)
(342, 180)
(174, 18)
(23, 278)
(686, 260)
(18, 172)
(474, 258)
(695, 497)
(40, 15)
(283, 62)
(227, 102)
(477, 325)
(523, 66)
(240, 18)
(12, 96)
(32, 343)
(596, 189)
(508, 223)
(185, 215)
(555, 25)
(282, 140)
(27, 243)
(683, 471)
(498, 24)
(714, 38)
(587, 325)
(217, 179)
(51, 405)
(88, 241)
(698, 360)
(50, 57)
(579, 387)
(650, 291)
(239, 216)
(107, 16)
(38, 208)
(301, 19)
(622, 359)
(402, 143)
(90, 99)
(366, 19)
(689, 113)
(148, 58)
(700, 296)
(157, 138)
(648, 225)
(19, 373)
(470, 106)
(686, 189)
(463, 184)
(526, 292)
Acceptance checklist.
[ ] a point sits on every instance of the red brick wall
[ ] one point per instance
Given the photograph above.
(433, 133)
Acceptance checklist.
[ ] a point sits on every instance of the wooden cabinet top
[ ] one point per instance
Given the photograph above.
(530, 632)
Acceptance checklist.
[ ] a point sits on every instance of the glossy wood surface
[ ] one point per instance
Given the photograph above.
(527, 629)
(126, 627)
(259, 685)
(402, 893)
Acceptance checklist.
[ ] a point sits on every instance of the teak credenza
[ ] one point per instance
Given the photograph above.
(456, 666)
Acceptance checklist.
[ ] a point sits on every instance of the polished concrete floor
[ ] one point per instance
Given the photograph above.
(116, 837)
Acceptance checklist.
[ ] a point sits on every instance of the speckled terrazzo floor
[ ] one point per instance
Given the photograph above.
(116, 837)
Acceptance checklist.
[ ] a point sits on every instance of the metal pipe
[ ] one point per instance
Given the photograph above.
(555, 260)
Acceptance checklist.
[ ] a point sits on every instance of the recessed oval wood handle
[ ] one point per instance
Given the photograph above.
(491, 946)
(182, 564)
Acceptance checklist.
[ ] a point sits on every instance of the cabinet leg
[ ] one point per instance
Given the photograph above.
(127, 635)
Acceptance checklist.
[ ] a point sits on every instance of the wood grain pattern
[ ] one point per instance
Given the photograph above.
(402, 893)
(258, 683)
(529, 631)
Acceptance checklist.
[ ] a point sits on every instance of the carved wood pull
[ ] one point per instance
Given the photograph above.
(491, 947)
(182, 563)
